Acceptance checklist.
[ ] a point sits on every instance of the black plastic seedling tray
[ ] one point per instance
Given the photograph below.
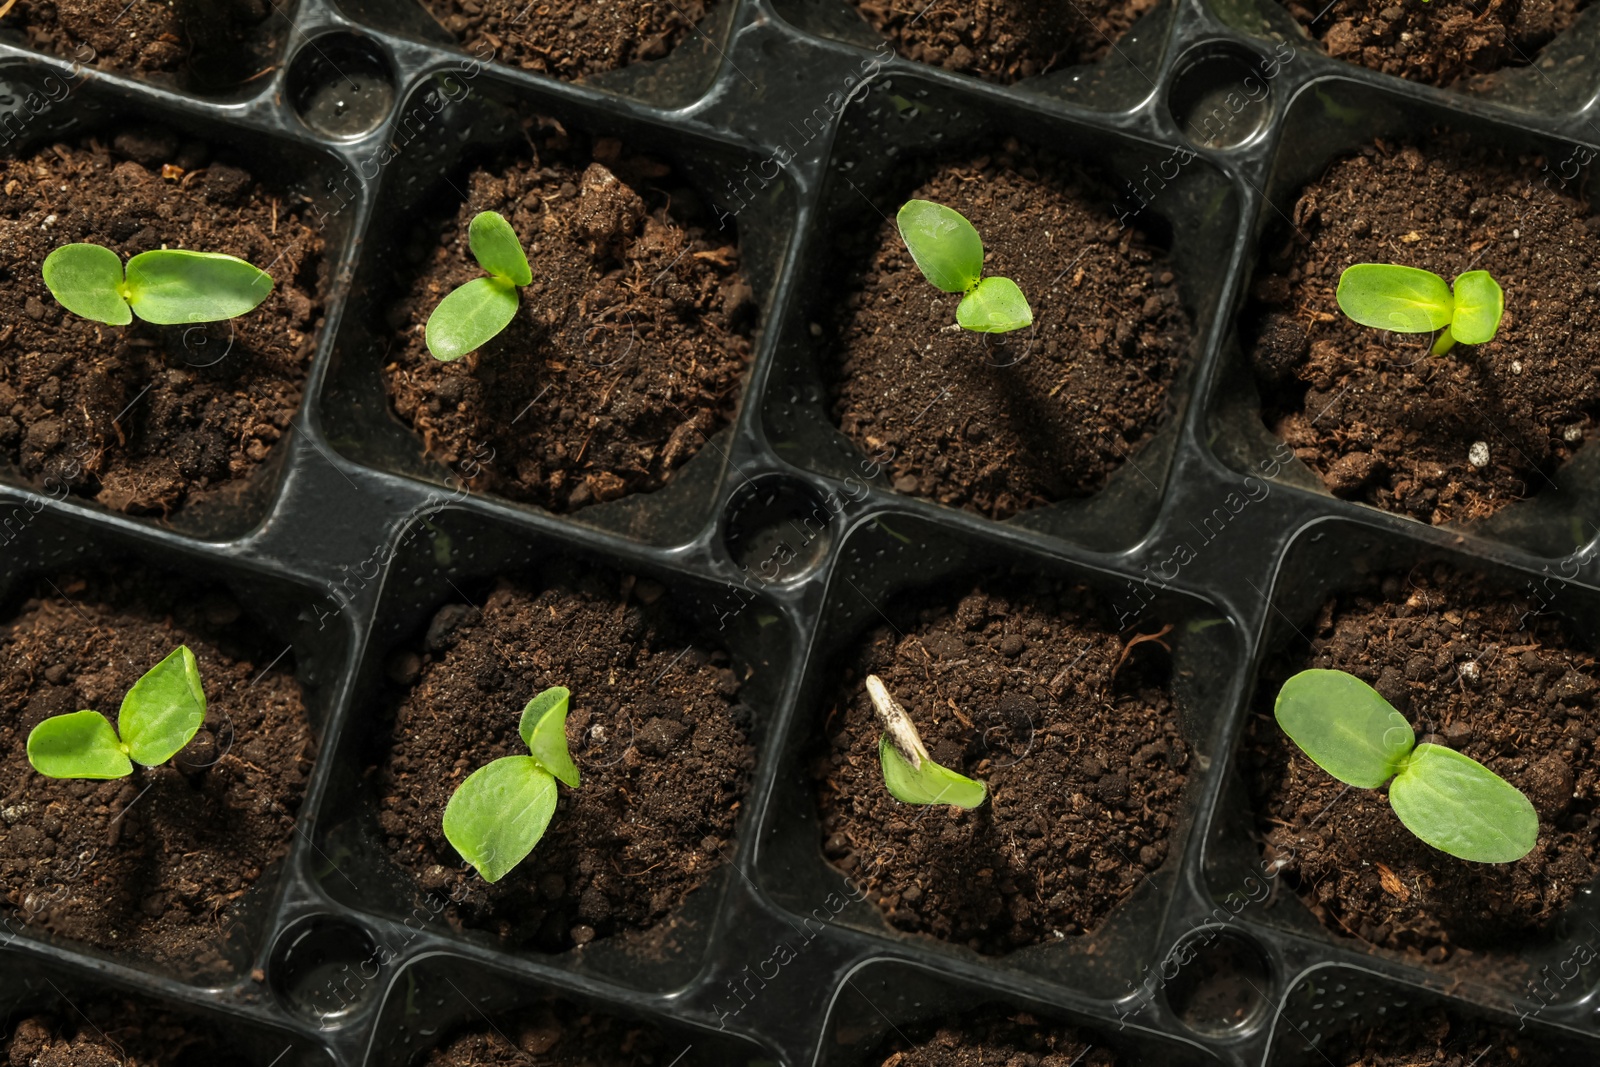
(351, 538)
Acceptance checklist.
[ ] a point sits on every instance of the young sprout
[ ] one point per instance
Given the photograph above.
(166, 286)
(1408, 300)
(949, 253)
(909, 772)
(500, 812)
(470, 315)
(1450, 801)
(159, 715)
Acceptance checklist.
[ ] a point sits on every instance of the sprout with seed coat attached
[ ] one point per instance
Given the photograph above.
(909, 773)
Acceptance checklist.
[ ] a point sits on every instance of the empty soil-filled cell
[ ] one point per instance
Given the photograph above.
(1446, 438)
(999, 423)
(1474, 668)
(142, 418)
(626, 353)
(1003, 40)
(153, 865)
(993, 1036)
(1028, 688)
(1437, 1039)
(1444, 43)
(99, 1033)
(570, 39)
(203, 44)
(655, 728)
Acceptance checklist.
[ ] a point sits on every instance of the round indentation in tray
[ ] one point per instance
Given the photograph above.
(318, 970)
(1221, 96)
(340, 85)
(1221, 985)
(777, 529)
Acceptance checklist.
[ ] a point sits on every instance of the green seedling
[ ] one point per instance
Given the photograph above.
(159, 715)
(909, 773)
(500, 812)
(949, 253)
(470, 315)
(1408, 300)
(166, 286)
(1450, 801)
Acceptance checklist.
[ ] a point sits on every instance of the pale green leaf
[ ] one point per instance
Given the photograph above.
(169, 287)
(163, 710)
(1459, 806)
(1479, 304)
(499, 813)
(87, 280)
(947, 249)
(928, 784)
(470, 316)
(496, 248)
(79, 745)
(544, 731)
(1389, 297)
(1345, 726)
(995, 306)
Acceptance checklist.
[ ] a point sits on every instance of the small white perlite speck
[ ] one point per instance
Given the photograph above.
(1478, 454)
(896, 723)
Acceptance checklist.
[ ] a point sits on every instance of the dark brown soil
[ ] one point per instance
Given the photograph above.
(1371, 412)
(628, 351)
(563, 1037)
(1003, 40)
(146, 418)
(152, 865)
(993, 1037)
(1441, 43)
(1435, 1039)
(655, 730)
(1001, 423)
(1452, 654)
(1083, 761)
(107, 1034)
(208, 43)
(569, 38)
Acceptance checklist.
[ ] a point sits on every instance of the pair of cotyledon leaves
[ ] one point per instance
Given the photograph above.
(1409, 300)
(159, 715)
(949, 252)
(496, 817)
(1449, 800)
(166, 286)
(473, 313)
